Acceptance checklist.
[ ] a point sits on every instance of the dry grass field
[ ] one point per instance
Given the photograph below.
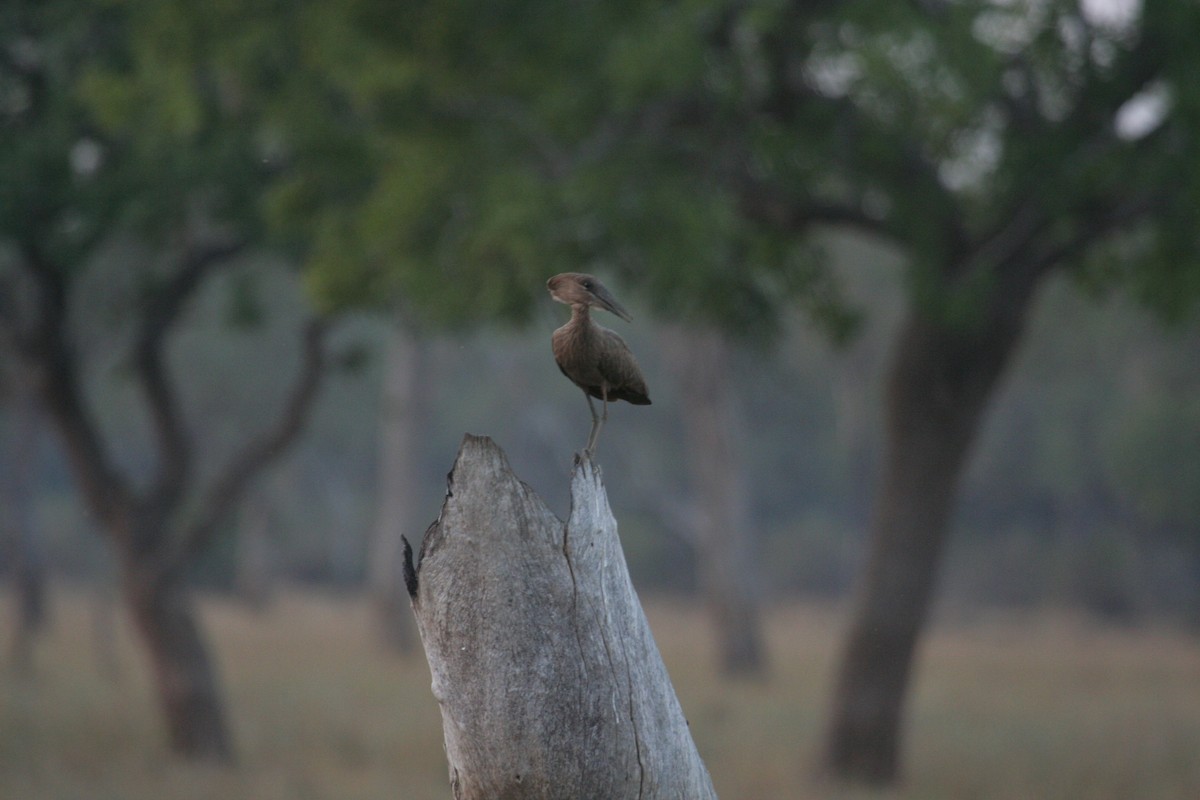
(1007, 708)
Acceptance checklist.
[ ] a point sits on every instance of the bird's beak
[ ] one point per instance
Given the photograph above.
(609, 303)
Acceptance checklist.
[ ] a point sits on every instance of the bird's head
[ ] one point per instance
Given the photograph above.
(580, 289)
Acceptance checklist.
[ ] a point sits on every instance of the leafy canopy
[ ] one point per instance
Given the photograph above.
(448, 157)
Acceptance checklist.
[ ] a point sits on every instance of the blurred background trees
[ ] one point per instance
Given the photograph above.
(131, 180)
(921, 184)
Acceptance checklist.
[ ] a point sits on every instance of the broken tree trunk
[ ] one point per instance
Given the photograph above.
(548, 677)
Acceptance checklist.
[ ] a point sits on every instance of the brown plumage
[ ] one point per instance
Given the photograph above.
(596, 359)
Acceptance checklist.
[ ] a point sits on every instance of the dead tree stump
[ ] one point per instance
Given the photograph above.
(547, 675)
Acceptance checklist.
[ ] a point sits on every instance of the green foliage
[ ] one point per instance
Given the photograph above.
(646, 139)
(447, 157)
(499, 154)
(111, 133)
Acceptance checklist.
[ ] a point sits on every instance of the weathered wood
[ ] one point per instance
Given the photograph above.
(548, 677)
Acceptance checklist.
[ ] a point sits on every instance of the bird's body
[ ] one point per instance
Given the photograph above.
(598, 361)
(595, 359)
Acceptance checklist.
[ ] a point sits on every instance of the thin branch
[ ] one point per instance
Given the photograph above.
(1009, 244)
(1010, 239)
(1018, 229)
(930, 9)
(903, 163)
(770, 206)
(174, 450)
(1095, 228)
(1027, 267)
(10, 327)
(232, 483)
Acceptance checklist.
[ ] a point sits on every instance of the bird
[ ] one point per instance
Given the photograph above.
(594, 358)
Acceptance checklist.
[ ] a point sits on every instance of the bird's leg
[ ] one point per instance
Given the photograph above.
(596, 423)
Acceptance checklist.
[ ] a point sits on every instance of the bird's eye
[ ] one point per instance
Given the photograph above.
(587, 285)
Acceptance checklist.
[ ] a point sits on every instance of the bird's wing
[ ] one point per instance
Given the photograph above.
(620, 369)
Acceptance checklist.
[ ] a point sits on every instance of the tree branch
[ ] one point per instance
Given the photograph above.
(54, 369)
(1005, 244)
(174, 450)
(902, 163)
(10, 328)
(1027, 266)
(1095, 228)
(770, 206)
(232, 483)
(1011, 243)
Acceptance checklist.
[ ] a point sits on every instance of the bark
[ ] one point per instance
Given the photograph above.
(940, 380)
(16, 515)
(547, 675)
(104, 609)
(400, 422)
(164, 616)
(254, 579)
(939, 383)
(700, 361)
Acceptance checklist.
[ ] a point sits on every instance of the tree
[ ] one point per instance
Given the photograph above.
(729, 579)
(131, 177)
(692, 149)
(17, 526)
(1067, 188)
(405, 377)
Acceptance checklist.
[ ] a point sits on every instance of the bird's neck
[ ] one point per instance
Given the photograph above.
(579, 316)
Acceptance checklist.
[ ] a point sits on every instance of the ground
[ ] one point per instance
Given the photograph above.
(1007, 707)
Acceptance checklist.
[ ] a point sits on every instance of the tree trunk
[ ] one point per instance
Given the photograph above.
(185, 677)
(105, 607)
(938, 387)
(400, 424)
(548, 677)
(700, 360)
(16, 516)
(254, 578)
(147, 520)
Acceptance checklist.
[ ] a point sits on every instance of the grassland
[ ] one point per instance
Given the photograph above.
(1047, 707)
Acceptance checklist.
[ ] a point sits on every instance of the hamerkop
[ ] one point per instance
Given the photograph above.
(596, 359)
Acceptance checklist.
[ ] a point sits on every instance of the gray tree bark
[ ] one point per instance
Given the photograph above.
(548, 677)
